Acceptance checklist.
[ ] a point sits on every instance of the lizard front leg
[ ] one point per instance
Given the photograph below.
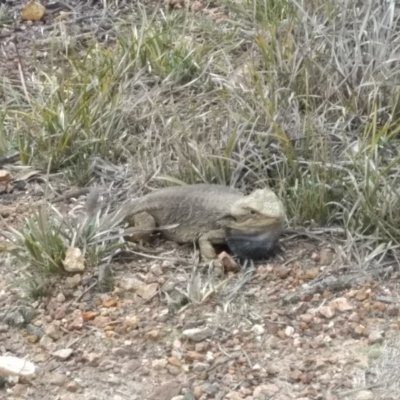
(222, 262)
(206, 242)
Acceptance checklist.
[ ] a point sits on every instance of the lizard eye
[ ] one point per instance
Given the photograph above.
(252, 212)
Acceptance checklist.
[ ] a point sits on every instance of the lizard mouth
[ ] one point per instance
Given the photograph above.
(256, 245)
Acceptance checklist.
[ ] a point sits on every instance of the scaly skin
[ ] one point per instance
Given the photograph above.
(212, 215)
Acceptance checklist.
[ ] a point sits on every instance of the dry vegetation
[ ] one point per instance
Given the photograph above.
(303, 96)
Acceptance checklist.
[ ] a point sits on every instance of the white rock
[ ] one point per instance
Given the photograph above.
(13, 366)
(259, 329)
(197, 334)
(289, 331)
(63, 354)
(74, 260)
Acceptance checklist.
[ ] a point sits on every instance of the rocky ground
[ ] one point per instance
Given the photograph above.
(267, 332)
(252, 337)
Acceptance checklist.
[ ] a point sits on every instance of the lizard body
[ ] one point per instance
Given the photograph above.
(210, 215)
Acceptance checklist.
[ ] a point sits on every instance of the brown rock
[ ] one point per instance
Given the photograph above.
(260, 392)
(153, 334)
(311, 274)
(375, 337)
(73, 387)
(101, 321)
(341, 304)
(361, 295)
(146, 292)
(379, 306)
(327, 312)
(174, 361)
(306, 318)
(166, 391)
(194, 356)
(283, 272)
(197, 392)
(296, 375)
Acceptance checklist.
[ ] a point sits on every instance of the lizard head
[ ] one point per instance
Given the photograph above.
(254, 224)
(258, 211)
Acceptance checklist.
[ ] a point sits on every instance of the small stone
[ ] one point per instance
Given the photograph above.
(194, 356)
(146, 292)
(361, 295)
(63, 354)
(234, 396)
(72, 282)
(53, 332)
(306, 318)
(46, 342)
(365, 395)
(130, 323)
(159, 364)
(166, 391)
(131, 284)
(197, 334)
(325, 257)
(119, 351)
(57, 379)
(327, 312)
(375, 337)
(359, 330)
(101, 321)
(260, 392)
(153, 334)
(200, 366)
(76, 324)
(283, 272)
(379, 306)
(174, 361)
(93, 359)
(60, 298)
(258, 329)
(355, 317)
(212, 389)
(289, 331)
(311, 274)
(341, 304)
(156, 270)
(73, 387)
(296, 375)
(197, 392)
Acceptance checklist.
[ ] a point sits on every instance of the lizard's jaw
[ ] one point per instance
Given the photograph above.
(256, 244)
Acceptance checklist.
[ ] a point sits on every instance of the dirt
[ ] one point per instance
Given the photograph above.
(242, 342)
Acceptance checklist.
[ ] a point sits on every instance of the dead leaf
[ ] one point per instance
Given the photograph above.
(33, 11)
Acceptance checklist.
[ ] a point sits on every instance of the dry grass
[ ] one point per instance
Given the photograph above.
(299, 95)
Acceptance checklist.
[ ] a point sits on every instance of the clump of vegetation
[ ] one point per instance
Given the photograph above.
(301, 96)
